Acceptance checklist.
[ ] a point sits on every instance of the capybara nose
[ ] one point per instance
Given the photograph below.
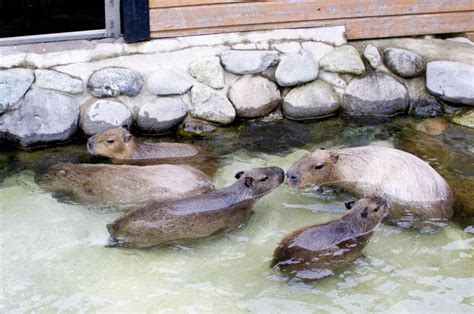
(90, 146)
(292, 176)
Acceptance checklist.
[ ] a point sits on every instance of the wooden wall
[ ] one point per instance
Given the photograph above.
(362, 18)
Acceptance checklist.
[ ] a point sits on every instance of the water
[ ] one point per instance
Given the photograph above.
(53, 256)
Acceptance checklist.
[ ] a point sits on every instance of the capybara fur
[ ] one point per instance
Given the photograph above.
(317, 251)
(414, 191)
(124, 185)
(123, 148)
(195, 217)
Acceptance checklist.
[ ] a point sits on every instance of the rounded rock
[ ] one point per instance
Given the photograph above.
(208, 71)
(403, 62)
(248, 61)
(164, 82)
(209, 105)
(13, 85)
(296, 69)
(103, 114)
(111, 82)
(58, 81)
(344, 59)
(162, 114)
(371, 53)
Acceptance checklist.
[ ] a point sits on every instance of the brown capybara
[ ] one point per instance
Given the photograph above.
(123, 186)
(123, 148)
(414, 191)
(195, 217)
(318, 251)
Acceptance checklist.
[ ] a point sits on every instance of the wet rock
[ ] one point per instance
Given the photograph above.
(422, 104)
(296, 69)
(210, 105)
(208, 71)
(371, 53)
(192, 126)
(254, 96)
(403, 62)
(43, 117)
(377, 94)
(465, 119)
(451, 81)
(111, 82)
(55, 80)
(313, 100)
(248, 61)
(434, 126)
(162, 114)
(13, 85)
(164, 82)
(103, 114)
(344, 59)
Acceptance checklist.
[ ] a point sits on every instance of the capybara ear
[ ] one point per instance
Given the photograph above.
(248, 181)
(62, 173)
(334, 157)
(365, 213)
(349, 204)
(127, 137)
(239, 174)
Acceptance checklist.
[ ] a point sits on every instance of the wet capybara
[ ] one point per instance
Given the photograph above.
(123, 148)
(413, 190)
(123, 186)
(317, 251)
(195, 217)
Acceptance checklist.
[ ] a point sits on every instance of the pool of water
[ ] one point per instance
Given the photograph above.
(53, 256)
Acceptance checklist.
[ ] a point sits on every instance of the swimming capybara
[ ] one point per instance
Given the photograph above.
(414, 191)
(317, 251)
(123, 148)
(123, 186)
(195, 217)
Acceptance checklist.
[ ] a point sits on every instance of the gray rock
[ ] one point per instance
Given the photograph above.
(13, 85)
(162, 114)
(209, 105)
(422, 104)
(208, 70)
(164, 82)
(313, 100)
(377, 94)
(58, 81)
(103, 114)
(403, 62)
(111, 82)
(466, 119)
(344, 59)
(296, 69)
(254, 96)
(43, 117)
(371, 53)
(451, 81)
(248, 61)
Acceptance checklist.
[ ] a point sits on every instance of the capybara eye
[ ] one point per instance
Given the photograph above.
(264, 179)
(376, 209)
(110, 141)
(317, 167)
(239, 174)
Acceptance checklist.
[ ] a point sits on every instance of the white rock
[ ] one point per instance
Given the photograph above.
(345, 59)
(248, 61)
(210, 105)
(165, 82)
(50, 79)
(371, 53)
(103, 114)
(318, 50)
(296, 69)
(403, 62)
(208, 71)
(13, 85)
(162, 114)
(332, 78)
(287, 47)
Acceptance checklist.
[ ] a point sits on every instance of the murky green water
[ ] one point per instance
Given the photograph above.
(53, 256)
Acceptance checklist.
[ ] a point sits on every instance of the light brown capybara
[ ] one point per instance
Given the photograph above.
(413, 190)
(123, 148)
(195, 217)
(318, 251)
(123, 186)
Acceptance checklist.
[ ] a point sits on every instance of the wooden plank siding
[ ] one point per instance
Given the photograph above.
(362, 18)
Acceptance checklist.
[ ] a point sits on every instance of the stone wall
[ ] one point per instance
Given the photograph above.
(50, 92)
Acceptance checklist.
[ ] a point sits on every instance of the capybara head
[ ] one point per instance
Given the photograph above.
(313, 168)
(366, 214)
(259, 181)
(58, 177)
(113, 143)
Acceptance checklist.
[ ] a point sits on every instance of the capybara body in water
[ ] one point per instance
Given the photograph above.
(195, 217)
(317, 251)
(413, 190)
(124, 185)
(123, 148)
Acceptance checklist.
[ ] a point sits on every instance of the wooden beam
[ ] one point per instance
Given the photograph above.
(232, 14)
(358, 28)
(181, 3)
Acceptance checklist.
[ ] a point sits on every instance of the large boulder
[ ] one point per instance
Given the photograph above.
(43, 117)
(13, 85)
(164, 82)
(209, 105)
(313, 100)
(451, 81)
(344, 59)
(377, 94)
(50, 79)
(254, 96)
(296, 69)
(208, 71)
(162, 114)
(111, 82)
(248, 61)
(103, 114)
(403, 62)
